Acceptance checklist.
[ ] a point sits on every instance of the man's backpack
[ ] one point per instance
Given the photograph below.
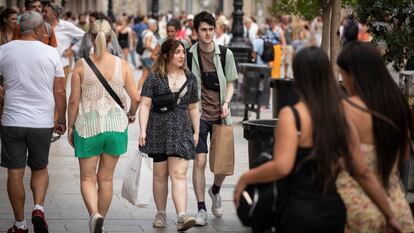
(268, 52)
(223, 52)
(140, 44)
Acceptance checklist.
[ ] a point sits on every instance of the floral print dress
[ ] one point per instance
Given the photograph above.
(362, 214)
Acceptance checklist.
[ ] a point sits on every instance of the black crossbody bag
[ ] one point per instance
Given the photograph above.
(104, 82)
(210, 80)
(167, 102)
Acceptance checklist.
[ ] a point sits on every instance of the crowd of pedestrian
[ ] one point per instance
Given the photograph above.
(339, 155)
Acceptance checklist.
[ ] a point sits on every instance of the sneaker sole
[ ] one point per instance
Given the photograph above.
(216, 215)
(39, 225)
(158, 226)
(187, 225)
(99, 225)
(197, 224)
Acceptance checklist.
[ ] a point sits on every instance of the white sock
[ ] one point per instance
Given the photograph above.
(21, 225)
(39, 207)
(181, 214)
(161, 212)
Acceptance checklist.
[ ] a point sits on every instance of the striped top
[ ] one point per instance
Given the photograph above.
(98, 112)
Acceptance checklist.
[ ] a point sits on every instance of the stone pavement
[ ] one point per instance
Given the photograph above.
(66, 212)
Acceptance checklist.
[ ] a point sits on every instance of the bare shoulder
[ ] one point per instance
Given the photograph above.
(125, 66)
(285, 114)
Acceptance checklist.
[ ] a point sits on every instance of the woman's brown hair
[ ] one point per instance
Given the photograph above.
(166, 54)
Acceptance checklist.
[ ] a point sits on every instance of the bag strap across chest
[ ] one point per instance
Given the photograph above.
(223, 53)
(103, 81)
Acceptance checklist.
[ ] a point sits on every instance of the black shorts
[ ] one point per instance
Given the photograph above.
(206, 127)
(161, 157)
(21, 146)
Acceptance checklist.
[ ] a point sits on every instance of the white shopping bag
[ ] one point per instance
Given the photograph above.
(137, 183)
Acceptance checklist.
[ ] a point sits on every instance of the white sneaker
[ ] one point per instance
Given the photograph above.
(216, 207)
(201, 218)
(185, 222)
(96, 223)
(160, 220)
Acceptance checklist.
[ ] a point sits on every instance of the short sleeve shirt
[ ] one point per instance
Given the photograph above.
(29, 69)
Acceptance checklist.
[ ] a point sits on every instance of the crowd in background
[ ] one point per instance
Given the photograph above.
(288, 34)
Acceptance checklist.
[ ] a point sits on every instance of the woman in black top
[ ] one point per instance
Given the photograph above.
(312, 158)
(170, 137)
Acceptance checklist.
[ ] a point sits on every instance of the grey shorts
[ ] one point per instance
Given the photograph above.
(21, 146)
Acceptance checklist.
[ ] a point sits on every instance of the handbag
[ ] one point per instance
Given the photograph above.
(209, 80)
(222, 150)
(167, 102)
(104, 82)
(138, 180)
(257, 206)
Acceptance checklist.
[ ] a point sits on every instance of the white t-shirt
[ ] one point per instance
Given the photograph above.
(29, 69)
(66, 33)
(223, 40)
(145, 34)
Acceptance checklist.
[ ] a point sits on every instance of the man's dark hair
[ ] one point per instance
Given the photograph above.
(351, 30)
(98, 15)
(28, 3)
(138, 19)
(174, 23)
(205, 17)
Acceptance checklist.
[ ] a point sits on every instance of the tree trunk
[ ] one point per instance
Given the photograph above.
(334, 40)
(326, 20)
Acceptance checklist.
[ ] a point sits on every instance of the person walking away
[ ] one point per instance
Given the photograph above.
(276, 36)
(124, 34)
(214, 106)
(313, 140)
(383, 121)
(149, 42)
(98, 125)
(34, 86)
(170, 137)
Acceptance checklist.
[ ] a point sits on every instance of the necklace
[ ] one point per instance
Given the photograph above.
(174, 78)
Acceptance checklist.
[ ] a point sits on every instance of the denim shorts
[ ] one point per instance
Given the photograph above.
(147, 62)
(206, 128)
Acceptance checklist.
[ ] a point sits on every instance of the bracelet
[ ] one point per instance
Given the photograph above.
(131, 116)
(61, 122)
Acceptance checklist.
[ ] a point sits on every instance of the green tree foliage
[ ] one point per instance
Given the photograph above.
(308, 9)
(391, 22)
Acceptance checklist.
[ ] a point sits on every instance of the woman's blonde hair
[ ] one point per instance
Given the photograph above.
(103, 31)
(166, 54)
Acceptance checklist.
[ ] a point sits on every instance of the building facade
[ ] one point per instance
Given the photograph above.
(257, 8)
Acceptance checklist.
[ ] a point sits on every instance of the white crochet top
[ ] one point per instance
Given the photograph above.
(98, 112)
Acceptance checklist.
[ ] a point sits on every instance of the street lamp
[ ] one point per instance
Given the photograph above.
(239, 45)
(154, 9)
(111, 15)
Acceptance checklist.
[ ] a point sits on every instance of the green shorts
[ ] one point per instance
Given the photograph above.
(111, 143)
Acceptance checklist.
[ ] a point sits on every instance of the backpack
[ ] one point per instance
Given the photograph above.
(223, 52)
(140, 44)
(258, 204)
(268, 52)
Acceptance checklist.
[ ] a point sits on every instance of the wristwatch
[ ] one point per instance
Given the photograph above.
(131, 117)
